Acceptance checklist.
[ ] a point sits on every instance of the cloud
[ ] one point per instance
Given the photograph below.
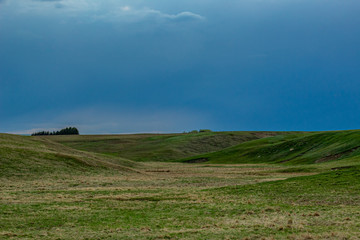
(126, 8)
(129, 14)
(57, 3)
(182, 16)
(109, 12)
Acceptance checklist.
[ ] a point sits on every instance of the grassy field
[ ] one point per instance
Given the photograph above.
(97, 196)
(159, 147)
(298, 148)
(28, 157)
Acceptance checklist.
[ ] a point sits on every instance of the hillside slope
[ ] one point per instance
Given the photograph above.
(26, 156)
(299, 148)
(159, 147)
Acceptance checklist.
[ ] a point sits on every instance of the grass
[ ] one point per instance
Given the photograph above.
(33, 157)
(172, 200)
(158, 147)
(292, 149)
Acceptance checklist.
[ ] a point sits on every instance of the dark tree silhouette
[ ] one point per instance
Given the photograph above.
(65, 131)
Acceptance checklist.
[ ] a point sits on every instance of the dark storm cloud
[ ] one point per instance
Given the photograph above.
(250, 65)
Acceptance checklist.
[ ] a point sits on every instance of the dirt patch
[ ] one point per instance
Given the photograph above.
(340, 168)
(329, 158)
(157, 171)
(149, 199)
(197, 160)
(336, 156)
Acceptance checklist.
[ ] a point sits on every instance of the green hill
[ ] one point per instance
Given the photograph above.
(298, 148)
(158, 147)
(28, 156)
(45, 185)
(21, 155)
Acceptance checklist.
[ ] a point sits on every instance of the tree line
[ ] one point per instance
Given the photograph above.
(65, 131)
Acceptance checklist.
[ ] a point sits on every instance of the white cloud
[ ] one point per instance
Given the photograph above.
(185, 16)
(129, 14)
(101, 11)
(175, 17)
(126, 8)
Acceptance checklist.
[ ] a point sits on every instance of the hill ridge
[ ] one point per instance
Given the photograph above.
(28, 156)
(298, 148)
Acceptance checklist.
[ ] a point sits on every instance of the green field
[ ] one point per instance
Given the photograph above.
(159, 147)
(250, 185)
(298, 148)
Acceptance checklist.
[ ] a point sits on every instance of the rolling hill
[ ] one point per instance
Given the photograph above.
(298, 148)
(28, 156)
(52, 191)
(159, 147)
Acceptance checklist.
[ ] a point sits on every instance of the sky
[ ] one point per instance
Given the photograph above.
(128, 66)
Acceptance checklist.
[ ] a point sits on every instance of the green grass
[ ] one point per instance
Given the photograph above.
(299, 148)
(52, 191)
(158, 147)
(183, 201)
(33, 157)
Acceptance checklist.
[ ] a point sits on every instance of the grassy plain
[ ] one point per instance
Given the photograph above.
(88, 198)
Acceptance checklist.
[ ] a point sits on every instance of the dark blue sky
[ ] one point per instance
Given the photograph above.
(117, 66)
